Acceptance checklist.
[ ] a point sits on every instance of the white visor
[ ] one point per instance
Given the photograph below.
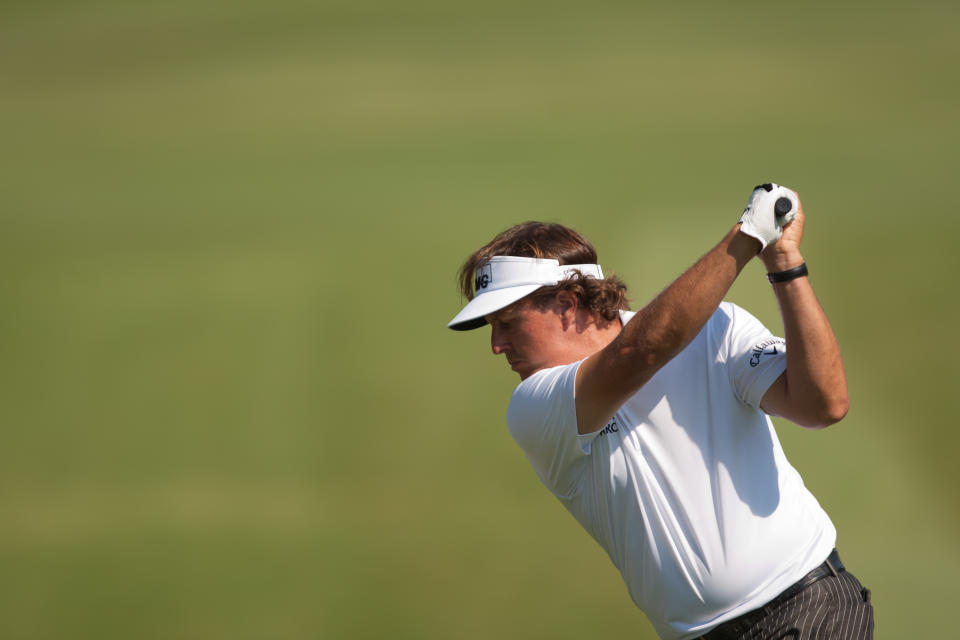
(505, 279)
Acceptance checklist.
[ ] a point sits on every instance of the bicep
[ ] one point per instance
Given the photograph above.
(604, 382)
(778, 401)
(775, 401)
(610, 376)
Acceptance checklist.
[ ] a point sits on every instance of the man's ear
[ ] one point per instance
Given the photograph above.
(567, 305)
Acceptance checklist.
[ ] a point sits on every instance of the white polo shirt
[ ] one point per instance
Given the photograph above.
(687, 487)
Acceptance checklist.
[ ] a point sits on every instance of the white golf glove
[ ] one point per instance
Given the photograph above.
(764, 218)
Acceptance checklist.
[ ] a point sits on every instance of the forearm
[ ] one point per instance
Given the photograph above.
(670, 321)
(816, 385)
(659, 331)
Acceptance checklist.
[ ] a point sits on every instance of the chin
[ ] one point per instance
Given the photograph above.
(524, 371)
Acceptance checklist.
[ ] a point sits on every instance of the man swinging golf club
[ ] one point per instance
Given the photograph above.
(652, 427)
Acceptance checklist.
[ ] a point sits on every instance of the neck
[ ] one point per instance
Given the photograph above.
(589, 335)
(599, 333)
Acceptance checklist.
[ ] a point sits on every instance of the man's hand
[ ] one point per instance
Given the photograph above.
(785, 253)
(760, 219)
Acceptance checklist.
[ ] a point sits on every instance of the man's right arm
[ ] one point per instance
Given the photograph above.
(659, 331)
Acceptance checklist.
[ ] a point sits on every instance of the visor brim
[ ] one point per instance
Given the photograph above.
(472, 316)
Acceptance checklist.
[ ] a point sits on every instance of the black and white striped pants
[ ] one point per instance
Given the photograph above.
(832, 608)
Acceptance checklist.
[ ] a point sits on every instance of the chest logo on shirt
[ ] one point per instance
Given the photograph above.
(610, 428)
(765, 348)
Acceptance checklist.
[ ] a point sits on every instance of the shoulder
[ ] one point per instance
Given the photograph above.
(546, 395)
(729, 311)
(542, 419)
(545, 386)
(732, 312)
(731, 321)
(753, 355)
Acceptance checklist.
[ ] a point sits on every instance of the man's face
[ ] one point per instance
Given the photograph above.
(528, 336)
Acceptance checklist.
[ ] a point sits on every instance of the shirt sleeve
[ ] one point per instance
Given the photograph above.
(542, 418)
(755, 357)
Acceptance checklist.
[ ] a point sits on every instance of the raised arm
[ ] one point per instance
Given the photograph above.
(812, 392)
(659, 331)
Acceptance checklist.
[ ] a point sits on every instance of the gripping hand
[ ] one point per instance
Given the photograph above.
(771, 206)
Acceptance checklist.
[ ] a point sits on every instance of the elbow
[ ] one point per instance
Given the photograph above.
(831, 412)
(836, 408)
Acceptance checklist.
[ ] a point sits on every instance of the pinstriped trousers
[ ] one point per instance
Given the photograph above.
(832, 608)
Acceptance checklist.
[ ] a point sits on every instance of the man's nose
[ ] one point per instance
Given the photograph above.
(497, 342)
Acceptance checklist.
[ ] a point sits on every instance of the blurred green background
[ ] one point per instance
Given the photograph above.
(230, 406)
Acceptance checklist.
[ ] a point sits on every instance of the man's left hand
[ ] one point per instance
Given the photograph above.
(760, 220)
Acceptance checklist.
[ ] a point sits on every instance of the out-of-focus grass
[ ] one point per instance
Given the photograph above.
(229, 404)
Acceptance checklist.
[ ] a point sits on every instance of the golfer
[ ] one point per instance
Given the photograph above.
(652, 427)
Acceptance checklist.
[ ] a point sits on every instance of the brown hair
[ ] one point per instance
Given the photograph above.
(549, 240)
